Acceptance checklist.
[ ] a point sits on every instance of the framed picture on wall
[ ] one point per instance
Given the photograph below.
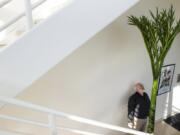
(166, 79)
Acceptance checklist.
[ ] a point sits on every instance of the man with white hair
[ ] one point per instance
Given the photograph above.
(138, 108)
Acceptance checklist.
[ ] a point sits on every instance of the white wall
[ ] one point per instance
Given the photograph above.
(96, 80)
(51, 41)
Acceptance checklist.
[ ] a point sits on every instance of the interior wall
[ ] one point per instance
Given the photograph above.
(97, 79)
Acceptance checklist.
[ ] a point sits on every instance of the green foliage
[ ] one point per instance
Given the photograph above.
(158, 33)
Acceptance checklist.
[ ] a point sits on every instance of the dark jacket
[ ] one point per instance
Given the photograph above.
(138, 106)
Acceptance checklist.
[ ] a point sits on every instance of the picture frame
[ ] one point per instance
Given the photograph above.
(178, 78)
(166, 79)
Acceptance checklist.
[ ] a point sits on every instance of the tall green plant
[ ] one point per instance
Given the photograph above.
(158, 33)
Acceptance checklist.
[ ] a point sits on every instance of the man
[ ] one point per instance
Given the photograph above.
(138, 108)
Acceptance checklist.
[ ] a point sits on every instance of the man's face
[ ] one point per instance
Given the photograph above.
(138, 88)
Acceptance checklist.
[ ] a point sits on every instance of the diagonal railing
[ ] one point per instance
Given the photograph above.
(28, 13)
(24, 21)
(4, 2)
(53, 113)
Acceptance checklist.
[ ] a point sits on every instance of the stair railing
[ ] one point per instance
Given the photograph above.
(28, 13)
(53, 114)
(5, 2)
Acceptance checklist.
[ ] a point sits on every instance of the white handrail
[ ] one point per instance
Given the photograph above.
(28, 12)
(70, 116)
(15, 19)
(20, 120)
(52, 124)
(3, 3)
(77, 131)
(23, 121)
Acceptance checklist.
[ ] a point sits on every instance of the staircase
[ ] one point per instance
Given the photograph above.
(48, 43)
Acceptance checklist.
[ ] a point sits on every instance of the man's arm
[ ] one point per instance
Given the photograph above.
(131, 107)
